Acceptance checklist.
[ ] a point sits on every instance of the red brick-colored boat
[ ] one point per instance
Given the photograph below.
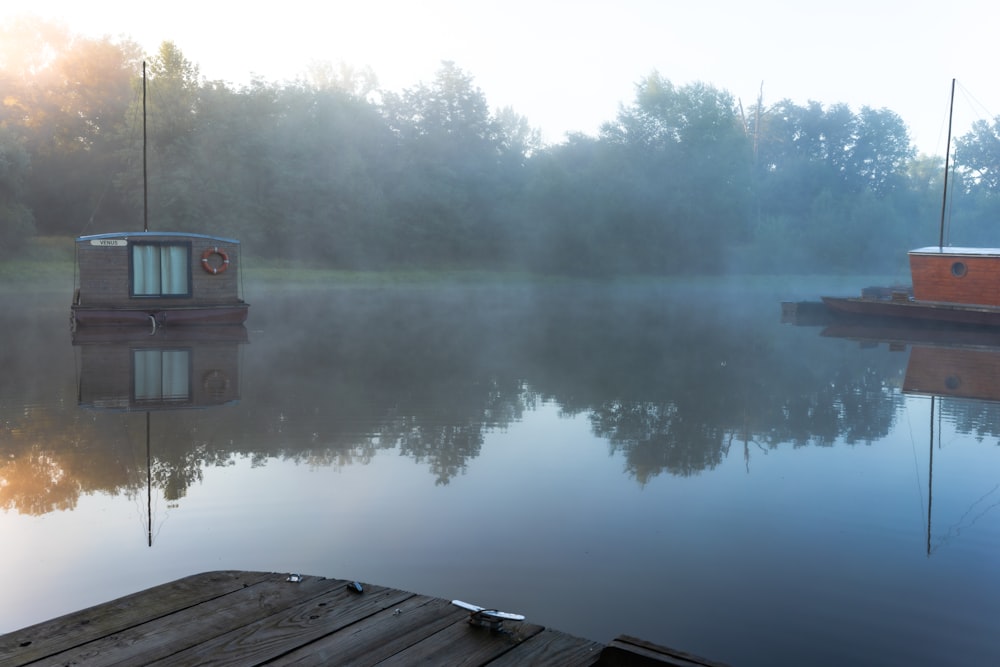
(950, 285)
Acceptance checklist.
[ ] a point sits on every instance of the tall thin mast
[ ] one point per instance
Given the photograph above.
(947, 156)
(145, 205)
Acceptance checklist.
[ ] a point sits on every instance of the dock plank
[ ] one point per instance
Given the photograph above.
(198, 624)
(51, 637)
(380, 637)
(274, 635)
(462, 644)
(551, 647)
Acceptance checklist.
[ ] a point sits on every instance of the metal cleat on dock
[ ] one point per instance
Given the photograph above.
(487, 618)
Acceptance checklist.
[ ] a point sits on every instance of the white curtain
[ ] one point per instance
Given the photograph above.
(159, 270)
(175, 270)
(162, 374)
(145, 269)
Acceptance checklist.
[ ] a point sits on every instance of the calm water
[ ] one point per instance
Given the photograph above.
(672, 463)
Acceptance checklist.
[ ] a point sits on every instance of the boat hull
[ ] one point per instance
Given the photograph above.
(88, 316)
(931, 312)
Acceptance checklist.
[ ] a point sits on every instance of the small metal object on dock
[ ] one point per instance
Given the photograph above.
(487, 618)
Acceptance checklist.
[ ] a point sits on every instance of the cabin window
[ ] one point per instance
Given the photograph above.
(958, 269)
(161, 375)
(161, 269)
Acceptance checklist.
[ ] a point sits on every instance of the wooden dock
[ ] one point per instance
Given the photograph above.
(257, 618)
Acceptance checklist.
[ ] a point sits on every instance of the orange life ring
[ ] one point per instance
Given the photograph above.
(214, 270)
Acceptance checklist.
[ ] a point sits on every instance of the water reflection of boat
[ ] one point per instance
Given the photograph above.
(943, 363)
(953, 363)
(132, 369)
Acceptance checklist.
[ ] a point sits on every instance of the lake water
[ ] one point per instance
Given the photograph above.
(667, 461)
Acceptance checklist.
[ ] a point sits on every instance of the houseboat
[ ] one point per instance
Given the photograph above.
(156, 279)
(950, 285)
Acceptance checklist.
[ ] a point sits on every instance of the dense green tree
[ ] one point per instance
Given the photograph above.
(66, 97)
(880, 150)
(978, 151)
(16, 220)
(453, 155)
(831, 185)
(973, 205)
(688, 176)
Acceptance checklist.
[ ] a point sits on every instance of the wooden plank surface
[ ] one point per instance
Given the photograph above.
(261, 637)
(551, 647)
(72, 630)
(255, 618)
(462, 644)
(385, 634)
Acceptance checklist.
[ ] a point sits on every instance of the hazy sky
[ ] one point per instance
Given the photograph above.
(567, 64)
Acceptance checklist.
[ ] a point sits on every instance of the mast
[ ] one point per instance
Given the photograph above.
(947, 156)
(145, 204)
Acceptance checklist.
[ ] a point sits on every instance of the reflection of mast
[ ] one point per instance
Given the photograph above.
(149, 488)
(930, 478)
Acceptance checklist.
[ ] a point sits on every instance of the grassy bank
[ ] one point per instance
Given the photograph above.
(44, 264)
(47, 264)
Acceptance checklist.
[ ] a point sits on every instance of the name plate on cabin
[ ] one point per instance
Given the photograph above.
(108, 242)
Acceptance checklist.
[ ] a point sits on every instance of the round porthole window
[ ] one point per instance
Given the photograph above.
(958, 269)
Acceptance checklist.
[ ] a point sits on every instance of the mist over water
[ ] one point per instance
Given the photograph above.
(662, 459)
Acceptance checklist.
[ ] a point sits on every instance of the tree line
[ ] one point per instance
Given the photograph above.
(333, 171)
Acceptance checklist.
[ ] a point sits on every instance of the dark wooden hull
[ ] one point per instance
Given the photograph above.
(915, 311)
(87, 316)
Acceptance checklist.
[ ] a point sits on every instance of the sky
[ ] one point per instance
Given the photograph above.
(568, 65)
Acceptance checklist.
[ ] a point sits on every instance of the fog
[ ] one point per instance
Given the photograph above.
(333, 172)
(339, 376)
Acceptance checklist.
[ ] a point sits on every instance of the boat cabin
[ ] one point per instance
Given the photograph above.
(956, 275)
(157, 278)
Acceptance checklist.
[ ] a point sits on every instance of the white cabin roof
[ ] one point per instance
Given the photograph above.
(141, 235)
(949, 250)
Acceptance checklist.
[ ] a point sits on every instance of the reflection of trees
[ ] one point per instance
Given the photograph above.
(657, 437)
(48, 459)
(36, 483)
(980, 419)
(866, 406)
(670, 379)
(444, 447)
